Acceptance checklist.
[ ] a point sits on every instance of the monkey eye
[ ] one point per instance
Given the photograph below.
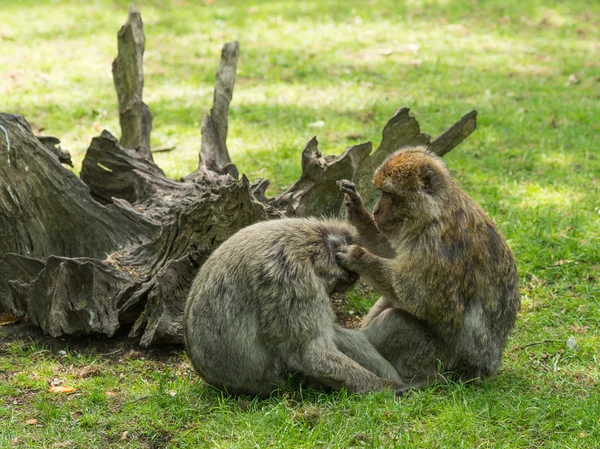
(388, 196)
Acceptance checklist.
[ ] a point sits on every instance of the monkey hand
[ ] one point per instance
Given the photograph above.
(349, 188)
(348, 257)
(400, 388)
(353, 201)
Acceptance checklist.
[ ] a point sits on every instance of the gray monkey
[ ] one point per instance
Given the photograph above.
(259, 311)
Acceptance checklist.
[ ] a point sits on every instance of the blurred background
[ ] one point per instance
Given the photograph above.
(335, 69)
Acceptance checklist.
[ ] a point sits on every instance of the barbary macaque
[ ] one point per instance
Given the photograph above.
(448, 280)
(259, 312)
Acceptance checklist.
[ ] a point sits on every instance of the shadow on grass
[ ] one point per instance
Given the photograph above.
(112, 348)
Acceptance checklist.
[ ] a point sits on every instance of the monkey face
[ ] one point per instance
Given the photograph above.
(413, 185)
(388, 213)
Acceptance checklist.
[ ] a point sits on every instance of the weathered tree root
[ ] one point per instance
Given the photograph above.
(121, 245)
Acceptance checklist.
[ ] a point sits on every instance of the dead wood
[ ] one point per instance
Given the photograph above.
(128, 75)
(121, 245)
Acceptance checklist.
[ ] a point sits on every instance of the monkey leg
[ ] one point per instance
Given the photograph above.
(324, 363)
(381, 305)
(409, 344)
(356, 345)
(254, 373)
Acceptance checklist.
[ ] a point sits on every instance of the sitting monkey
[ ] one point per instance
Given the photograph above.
(449, 281)
(259, 311)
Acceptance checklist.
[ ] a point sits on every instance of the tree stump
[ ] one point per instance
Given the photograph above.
(128, 74)
(121, 245)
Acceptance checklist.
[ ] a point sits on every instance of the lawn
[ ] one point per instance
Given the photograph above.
(339, 70)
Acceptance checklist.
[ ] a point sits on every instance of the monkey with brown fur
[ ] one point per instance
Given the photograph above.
(449, 281)
(259, 311)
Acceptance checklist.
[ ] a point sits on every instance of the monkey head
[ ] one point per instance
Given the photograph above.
(336, 278)
(413, 183)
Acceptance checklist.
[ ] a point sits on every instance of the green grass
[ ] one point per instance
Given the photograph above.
(533, 163)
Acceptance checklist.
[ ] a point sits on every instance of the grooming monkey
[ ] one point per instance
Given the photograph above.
(259, 311)
(449, 281)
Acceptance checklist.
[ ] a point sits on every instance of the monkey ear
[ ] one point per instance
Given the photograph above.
(430, 179)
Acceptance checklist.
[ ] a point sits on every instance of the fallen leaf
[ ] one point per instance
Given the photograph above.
(386, 51)
(458, 28)
(61, 390)
(571, 342)
(560, 262)
(413, 48)
(31, 422)
(545, 22)
(7, 318)
(86, 371)
(354, 136)
(317, 124)
(579, 329)
(573, 79)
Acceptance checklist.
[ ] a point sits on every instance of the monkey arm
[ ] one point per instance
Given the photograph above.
(370, 235)
(376, 241)
(383, 275)
(323, 362)
(356, 345)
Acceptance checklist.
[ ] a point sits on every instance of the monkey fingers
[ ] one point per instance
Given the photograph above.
(341, 258)
(403, 389)
(400, 388)
(349, 188)
(331, 367)
(341, 255)
(357, 214)
(345, 184)
(347, 256)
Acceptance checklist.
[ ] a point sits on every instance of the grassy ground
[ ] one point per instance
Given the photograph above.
(531, 69)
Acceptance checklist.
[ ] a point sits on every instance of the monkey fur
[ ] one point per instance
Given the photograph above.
(448, 280)
(259, 311)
